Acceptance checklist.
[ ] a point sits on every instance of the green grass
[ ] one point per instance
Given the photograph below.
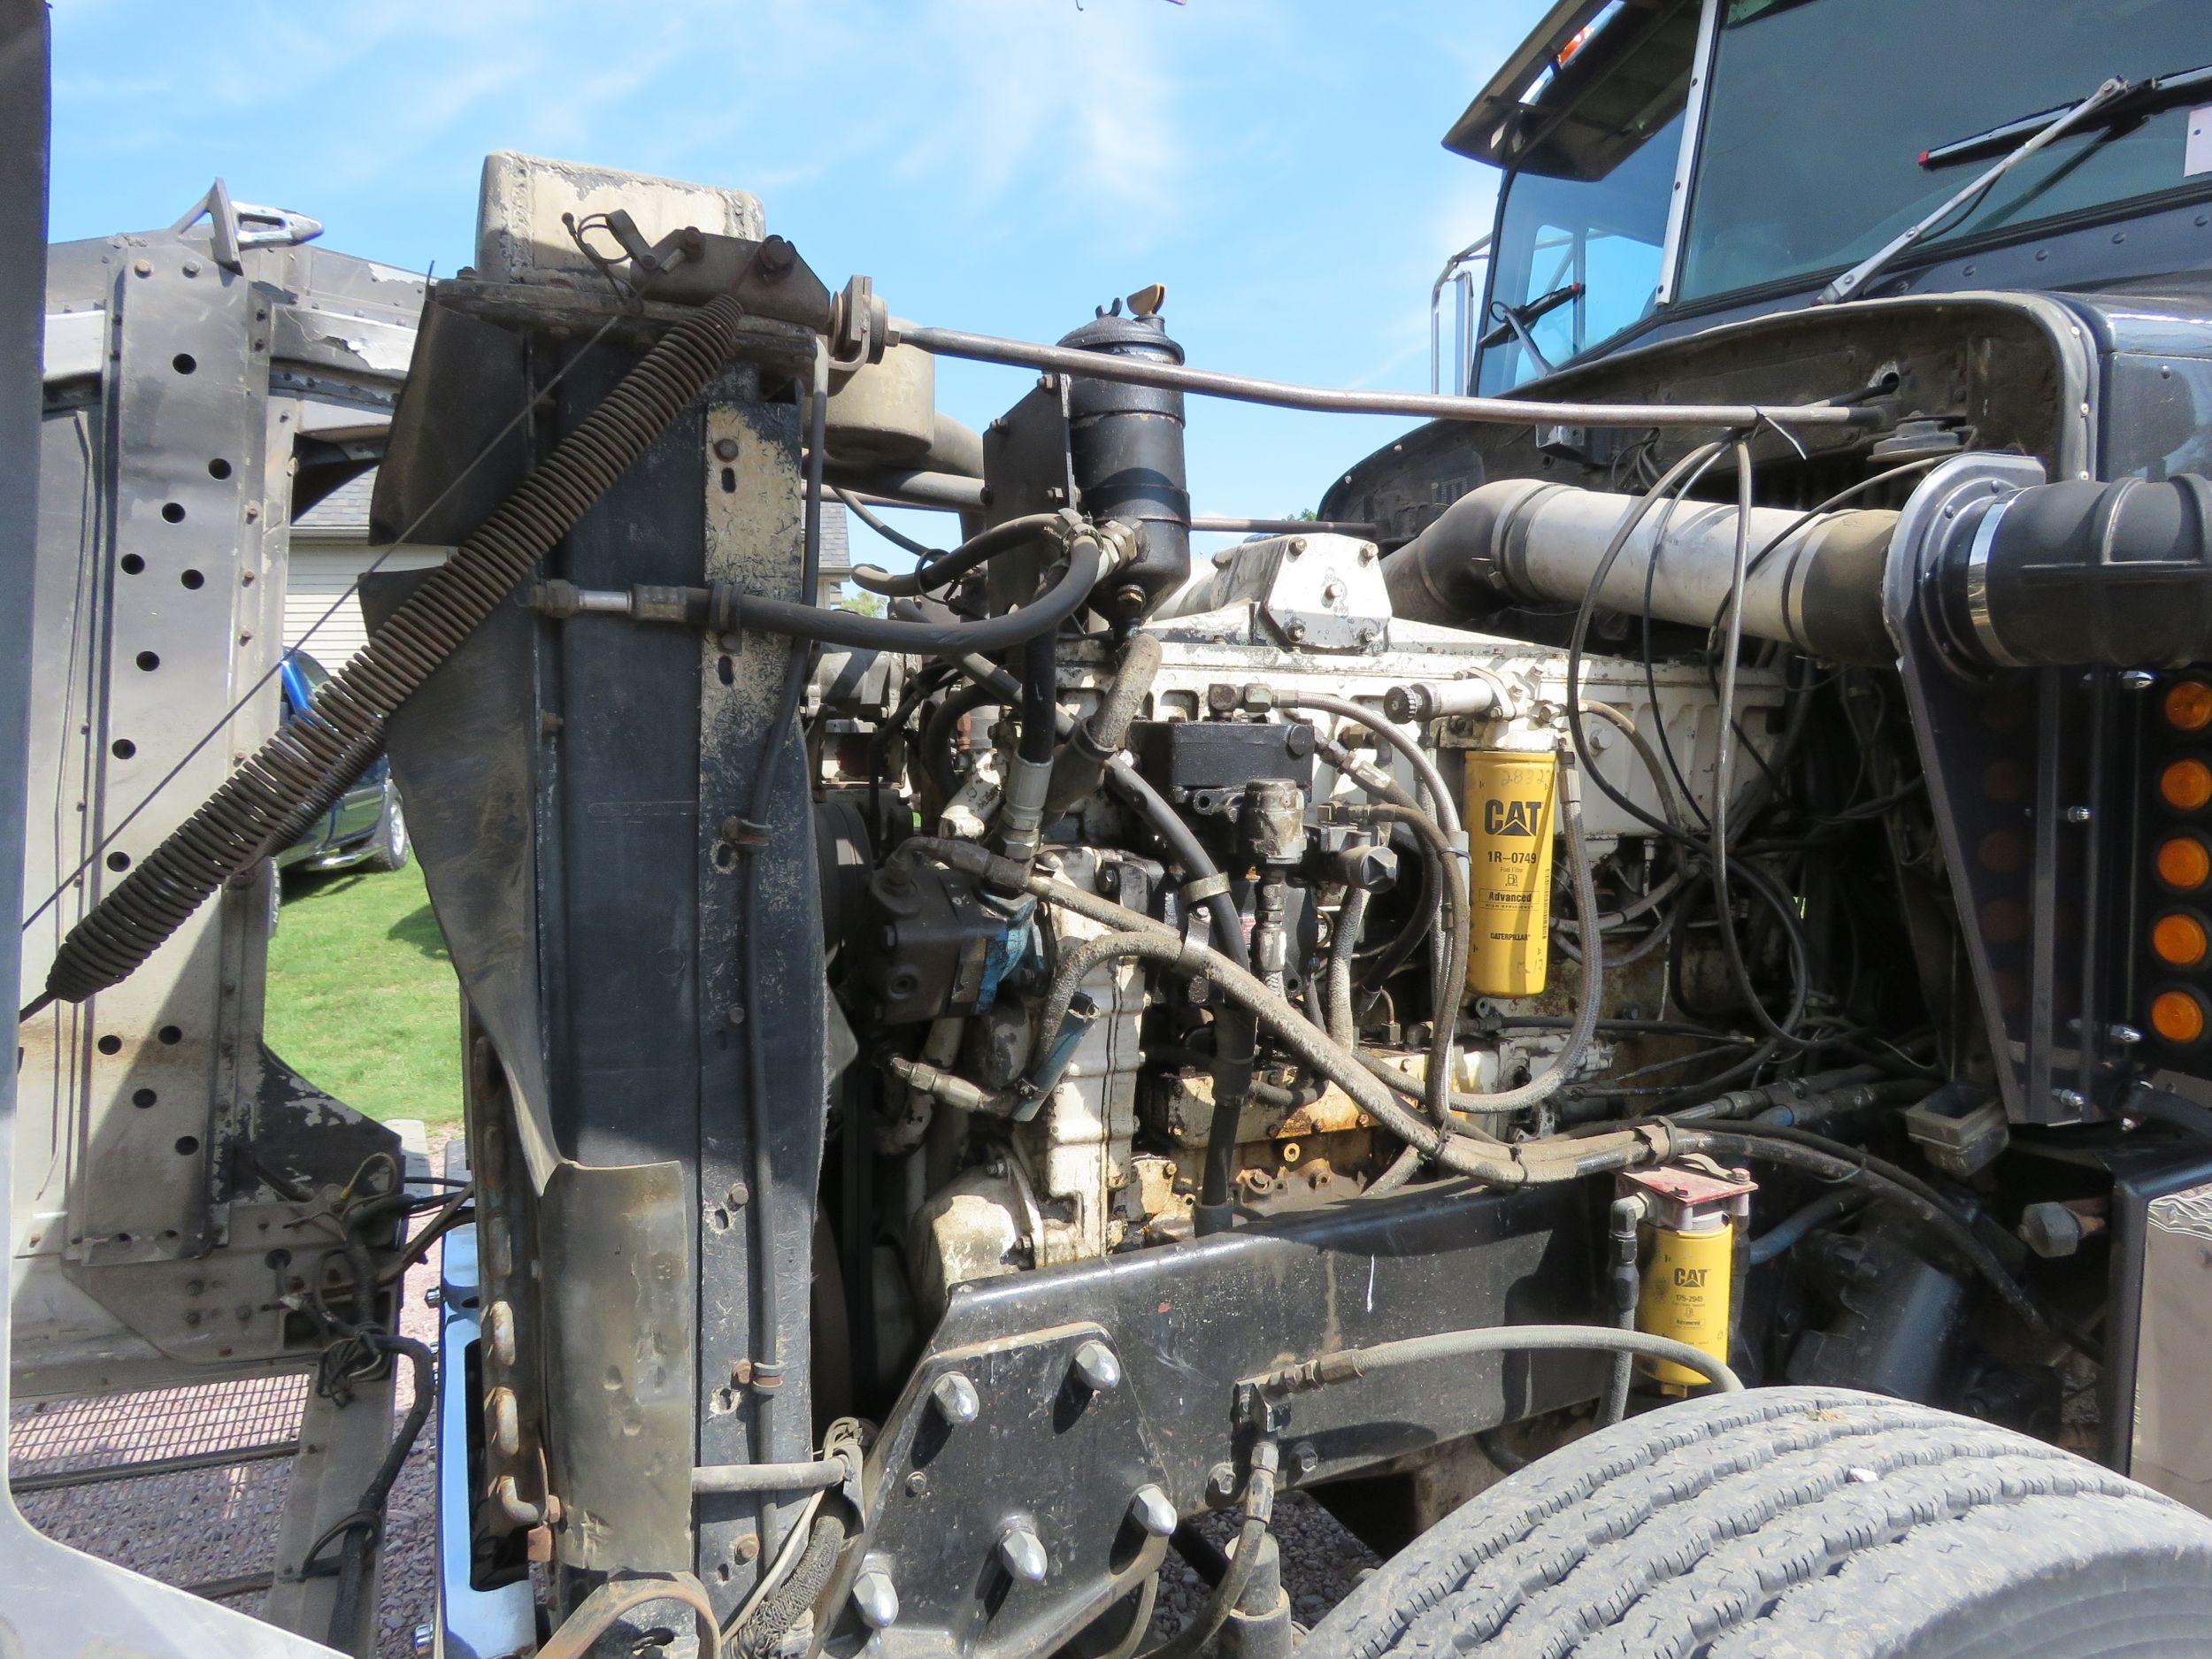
(361, 998)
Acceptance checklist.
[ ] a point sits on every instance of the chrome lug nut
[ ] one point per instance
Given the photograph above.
(876, 1598)
(1150, 1510)
(1022, 1553)
(955, 1398)
(1097, 1367)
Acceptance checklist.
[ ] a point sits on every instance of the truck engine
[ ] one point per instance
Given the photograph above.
(1658, 939)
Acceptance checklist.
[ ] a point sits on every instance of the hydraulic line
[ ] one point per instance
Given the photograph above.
(898, 538)
(938, 569)
(1445, 996)
(312, 759)
(1351, 916)
(1441, 805)
(1244, 1557)
(1521, 1165)
(1350, 1364)
(1504, 412)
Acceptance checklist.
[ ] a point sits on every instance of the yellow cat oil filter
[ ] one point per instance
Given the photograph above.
(1508, 846)
(1688, 1245)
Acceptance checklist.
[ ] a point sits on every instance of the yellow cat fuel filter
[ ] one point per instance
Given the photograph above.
(1508, 846)
(1689, 1263)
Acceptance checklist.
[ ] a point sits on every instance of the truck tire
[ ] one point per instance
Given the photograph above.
(388, 846)
(1791, 1523)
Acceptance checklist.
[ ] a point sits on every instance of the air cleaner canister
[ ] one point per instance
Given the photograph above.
(1509, 797)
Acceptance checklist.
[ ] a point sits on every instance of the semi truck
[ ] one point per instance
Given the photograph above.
(1626, 1004)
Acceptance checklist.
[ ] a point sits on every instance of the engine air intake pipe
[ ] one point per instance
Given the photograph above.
(1518, 540)
(306, 765)
(2074, 574)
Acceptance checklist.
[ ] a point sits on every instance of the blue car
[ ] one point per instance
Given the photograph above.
(366, 825)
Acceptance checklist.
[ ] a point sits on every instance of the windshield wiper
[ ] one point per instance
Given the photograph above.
(2142, 97)
(1514, 320)
(1860, 275)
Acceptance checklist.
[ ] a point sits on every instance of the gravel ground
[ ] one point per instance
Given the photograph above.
(207, 1524)
(1321, 1564)
(211, 1524)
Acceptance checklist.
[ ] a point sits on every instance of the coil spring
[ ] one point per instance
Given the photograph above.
(301, 771)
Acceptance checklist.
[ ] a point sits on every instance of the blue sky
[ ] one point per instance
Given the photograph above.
(1003, 165)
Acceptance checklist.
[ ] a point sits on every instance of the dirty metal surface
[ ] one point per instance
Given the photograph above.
(759, 1158)
(1187, 1322)
(1035, 1415)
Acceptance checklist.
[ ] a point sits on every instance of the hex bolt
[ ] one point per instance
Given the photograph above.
(1305, 1460)
(1097, 1367)
(747, 1547)
(955, 1398)
(1152, 1512)
(2122, 1036)
(2078, 815)
(1221, 1484)
(1295, 630)
(2137, 680)
(422, 1641)
(876, 1598)
(1022, 1553)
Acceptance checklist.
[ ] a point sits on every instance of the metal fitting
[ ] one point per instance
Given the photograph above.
(1428, 700)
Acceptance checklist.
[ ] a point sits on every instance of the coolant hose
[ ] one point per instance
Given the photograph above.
(315, 757)
(1088, 561)
(1093, 743)
(946, 567)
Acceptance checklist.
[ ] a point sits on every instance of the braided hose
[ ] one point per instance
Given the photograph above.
(315, 757)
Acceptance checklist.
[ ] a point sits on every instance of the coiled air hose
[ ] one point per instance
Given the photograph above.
(298, 773)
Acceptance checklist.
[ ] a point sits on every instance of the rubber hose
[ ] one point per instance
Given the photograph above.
(1910, 1194)
(1790, 1231)
(1087, 564)
(1236, 1033)
(1351, 916)
(1092, 744)
(1444, 996)
(1524, 1164)
(315, 757)
(942, 568)
(1244, 1559)
(763, 1633)
(1039, 687)
(1443, 809)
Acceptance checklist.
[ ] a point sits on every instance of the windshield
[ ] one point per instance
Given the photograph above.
(1821, 109)
(1592, 211)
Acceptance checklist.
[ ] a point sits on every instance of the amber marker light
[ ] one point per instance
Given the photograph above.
(2185, 785)
(2183, 863)
(2188, 705)
(2179, 940)
(2177, 1017)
